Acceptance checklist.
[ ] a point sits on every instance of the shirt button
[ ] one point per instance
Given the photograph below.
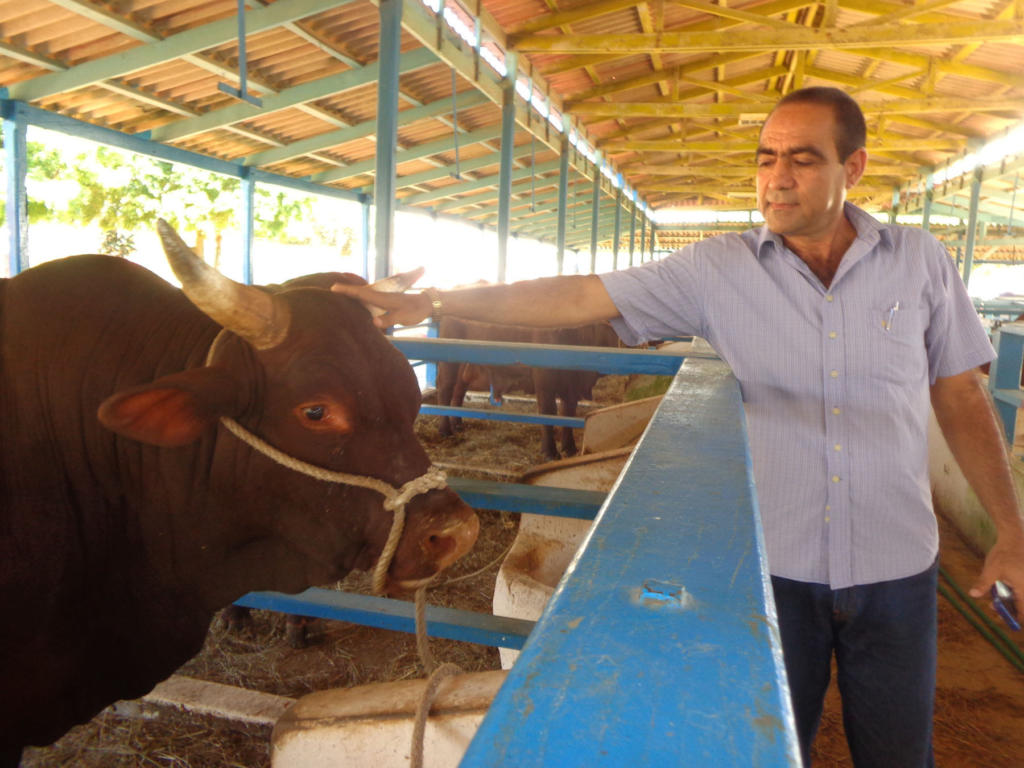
(828, 507)
(835, 478)
(828, 297)
(838, 447)
(836, 411)
(834, 374)
(828, 519)
(832, 334)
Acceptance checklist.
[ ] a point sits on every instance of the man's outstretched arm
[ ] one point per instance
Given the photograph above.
(547, 302)
(972, 428)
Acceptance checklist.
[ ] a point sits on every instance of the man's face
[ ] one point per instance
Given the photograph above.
(801, 181)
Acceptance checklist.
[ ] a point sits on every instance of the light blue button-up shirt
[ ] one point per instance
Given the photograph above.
(835, 383)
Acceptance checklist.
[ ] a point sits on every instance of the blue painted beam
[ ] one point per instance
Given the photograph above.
(576, 422)
(660, 646)
(632, 232)
(144, 146)
(534, 499)
(508, 137)
(389, 47)
(972, 224)
(16, 167)
(1004, 375)
(399, 615)
(595, 207)
(598, 359)
(248, 224)
(563, 196)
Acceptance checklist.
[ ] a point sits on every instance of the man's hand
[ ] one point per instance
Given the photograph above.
(1005, 563)
(392, 308)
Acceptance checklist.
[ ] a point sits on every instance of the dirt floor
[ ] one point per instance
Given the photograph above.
(980, 702)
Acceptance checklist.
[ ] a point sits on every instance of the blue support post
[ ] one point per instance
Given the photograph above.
(632, 232)
(387, 133)
(618, 225)
(972, 224)
(595, 211)
(643, 235)
(431, 371)
(563, 198)
(654, 231)
(16, 162)
(364, 231)
(248, 227)
(508, 134)
(929, 193)
(660, 646)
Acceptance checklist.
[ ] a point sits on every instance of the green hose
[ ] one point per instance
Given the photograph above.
(982, 622)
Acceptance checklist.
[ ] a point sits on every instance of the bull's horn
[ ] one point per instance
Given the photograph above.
(260, 318)
(399, 283)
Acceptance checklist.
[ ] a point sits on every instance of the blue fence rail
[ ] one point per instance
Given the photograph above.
(1004, 375)
(660, 646)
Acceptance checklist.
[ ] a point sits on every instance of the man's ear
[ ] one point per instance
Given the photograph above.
(855, 166)
(173, 410)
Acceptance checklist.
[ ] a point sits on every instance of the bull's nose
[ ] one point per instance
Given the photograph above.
(445, 546)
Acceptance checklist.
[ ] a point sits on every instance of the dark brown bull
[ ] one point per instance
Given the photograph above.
(557, 390)
(122, 534)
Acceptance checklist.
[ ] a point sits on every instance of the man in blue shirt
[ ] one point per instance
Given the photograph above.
(842, 332)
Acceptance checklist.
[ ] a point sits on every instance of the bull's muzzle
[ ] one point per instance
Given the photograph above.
(432, 541)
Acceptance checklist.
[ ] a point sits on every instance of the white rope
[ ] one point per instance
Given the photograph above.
(395, 499)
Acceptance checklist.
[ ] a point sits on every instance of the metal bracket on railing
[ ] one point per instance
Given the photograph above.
(1004, 375)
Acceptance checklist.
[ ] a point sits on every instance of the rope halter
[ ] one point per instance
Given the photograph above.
(395, 499)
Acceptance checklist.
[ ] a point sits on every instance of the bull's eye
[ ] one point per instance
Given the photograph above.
(314, 412)
(324, 414)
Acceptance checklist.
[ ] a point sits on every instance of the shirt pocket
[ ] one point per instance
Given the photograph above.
(891, 345)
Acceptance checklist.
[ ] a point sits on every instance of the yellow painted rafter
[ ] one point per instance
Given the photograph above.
(734, 14)
(647, 24)
(660, 76)
(732, 172)
(707, 111)
(923, 61)
(774, 39)
(677, 145)
(710, 25)
(904, 13)
(558, 19)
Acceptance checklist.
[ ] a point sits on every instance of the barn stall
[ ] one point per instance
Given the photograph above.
(526, 118)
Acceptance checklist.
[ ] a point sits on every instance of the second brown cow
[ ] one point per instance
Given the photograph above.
(557, 390)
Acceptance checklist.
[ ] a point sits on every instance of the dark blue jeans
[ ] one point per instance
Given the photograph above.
(883, 636)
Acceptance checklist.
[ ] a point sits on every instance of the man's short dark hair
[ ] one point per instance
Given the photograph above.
(851, 130)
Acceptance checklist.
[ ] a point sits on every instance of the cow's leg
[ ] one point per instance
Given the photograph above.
(546, 404)
(236, 619)
(296, 630)
(447, 375)
(458, 397)
(567, 407)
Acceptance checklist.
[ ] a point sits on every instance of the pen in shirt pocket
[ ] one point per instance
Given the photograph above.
(890, 316)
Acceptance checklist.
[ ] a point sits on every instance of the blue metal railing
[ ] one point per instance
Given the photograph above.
(660, 645)
(1004, 374)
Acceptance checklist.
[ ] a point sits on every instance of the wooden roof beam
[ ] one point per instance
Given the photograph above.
(561, 18)
(707, 111)
(795, 38)
(167, 49)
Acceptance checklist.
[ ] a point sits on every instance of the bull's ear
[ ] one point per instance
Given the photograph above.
(173, 410)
